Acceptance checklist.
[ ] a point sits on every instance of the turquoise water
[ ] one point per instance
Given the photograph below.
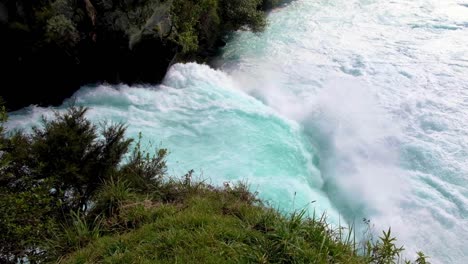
(356, 108)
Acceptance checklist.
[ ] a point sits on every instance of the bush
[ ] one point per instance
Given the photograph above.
(199, 23)
(239, 13)
(62, 31)
(70, 154)
(269, 4)
(143, 171)
(61, 166)
(26, 218)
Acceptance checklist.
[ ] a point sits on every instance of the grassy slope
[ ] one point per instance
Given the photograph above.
(215, 226)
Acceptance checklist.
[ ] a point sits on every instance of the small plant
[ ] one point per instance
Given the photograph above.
(384, 251)
(111, 196)
(188, 178)
(422, 259)
(144, 171)
(62, 31)
(241, 191)
(74, 235)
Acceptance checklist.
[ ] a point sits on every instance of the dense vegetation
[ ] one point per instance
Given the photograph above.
(73, 193)
(51, 47)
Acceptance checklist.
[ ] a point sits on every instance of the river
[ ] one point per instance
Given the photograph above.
(356, 108)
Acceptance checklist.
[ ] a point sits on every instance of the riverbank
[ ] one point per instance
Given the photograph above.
(52, 48)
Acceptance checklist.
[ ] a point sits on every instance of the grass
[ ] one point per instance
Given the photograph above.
(203, 224)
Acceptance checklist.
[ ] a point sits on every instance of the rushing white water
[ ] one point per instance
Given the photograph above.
(358, 105)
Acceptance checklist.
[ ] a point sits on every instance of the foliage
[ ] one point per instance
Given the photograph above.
(238, 13)
(198, 23)
(195, 23)
(3, 119)
(111, 196)
(60, 166)
(385, 250)
(63, 7)
(25, 218)
(144, 171)
(269, 4)
(62, 31)
(3, 114)
(422, 259)
(69, 152)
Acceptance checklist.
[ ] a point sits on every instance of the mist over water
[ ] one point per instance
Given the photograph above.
(356, 108)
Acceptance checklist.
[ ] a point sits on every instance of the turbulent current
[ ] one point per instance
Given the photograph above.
(354, 107)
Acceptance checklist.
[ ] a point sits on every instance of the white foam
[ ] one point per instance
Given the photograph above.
(381, 89)
(358, 105)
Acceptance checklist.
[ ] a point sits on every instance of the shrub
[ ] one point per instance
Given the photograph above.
(62, 31)
(26, 218)
(199, 23)
(49, 174)
(143, 171)
(71, 155)
(239, 13)
(269, 4)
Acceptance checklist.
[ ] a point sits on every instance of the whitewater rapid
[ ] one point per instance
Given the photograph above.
(356, 108)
